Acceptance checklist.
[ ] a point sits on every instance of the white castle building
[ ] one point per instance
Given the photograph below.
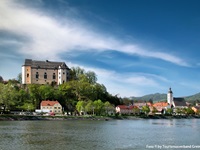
(44, 72)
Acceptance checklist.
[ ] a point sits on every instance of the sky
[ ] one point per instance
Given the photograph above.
(136, 47)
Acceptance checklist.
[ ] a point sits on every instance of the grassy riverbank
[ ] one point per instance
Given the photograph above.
(5, 117)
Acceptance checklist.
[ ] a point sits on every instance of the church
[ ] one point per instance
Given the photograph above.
(175, 102)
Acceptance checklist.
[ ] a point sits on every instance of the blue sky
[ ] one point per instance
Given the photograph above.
(135, 47)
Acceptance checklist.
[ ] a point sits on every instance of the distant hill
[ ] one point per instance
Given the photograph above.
(193, 97)
(163, 97)
(154, 97)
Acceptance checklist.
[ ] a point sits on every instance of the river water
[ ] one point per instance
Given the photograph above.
(100, 135)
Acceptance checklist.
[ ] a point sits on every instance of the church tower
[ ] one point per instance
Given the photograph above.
(170, 96)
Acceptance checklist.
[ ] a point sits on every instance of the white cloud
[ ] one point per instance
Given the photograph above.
(49, 37)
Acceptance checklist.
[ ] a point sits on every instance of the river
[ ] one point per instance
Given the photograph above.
(100, 135)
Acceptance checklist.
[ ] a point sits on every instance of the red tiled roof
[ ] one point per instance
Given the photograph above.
(49, 103)
(143, 104)
(160, 104)
(196, 107)
(126, 107)
(149, 104)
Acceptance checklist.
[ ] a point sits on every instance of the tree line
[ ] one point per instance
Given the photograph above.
(82, 87)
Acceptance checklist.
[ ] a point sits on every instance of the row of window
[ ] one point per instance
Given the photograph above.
(56, 111)
(45, 75)
(51, 107)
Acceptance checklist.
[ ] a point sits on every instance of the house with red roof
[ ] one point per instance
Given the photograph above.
(161, 107)
(123, 109)
(141, 104)
(196, 109)
(51, 107)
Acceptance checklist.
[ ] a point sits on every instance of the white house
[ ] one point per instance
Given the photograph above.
(50, 107)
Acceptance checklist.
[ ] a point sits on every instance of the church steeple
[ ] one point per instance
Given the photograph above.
(170, 96)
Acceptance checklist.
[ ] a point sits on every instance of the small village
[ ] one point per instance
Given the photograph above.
(173, 106)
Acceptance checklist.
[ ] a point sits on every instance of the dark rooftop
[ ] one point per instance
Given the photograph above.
(45, 64)
(179, 102)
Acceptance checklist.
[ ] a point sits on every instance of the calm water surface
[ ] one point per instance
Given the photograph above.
(98, 135)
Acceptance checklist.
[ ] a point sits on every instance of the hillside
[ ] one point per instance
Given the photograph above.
(154, 97)
(193, 97)
(163, 97)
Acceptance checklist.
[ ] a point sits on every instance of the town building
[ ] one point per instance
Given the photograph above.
(170, 97)
(123, 109)
(161, 107)
(141, 104)
(50, 107)
(44, 72)
(196, 109)
(175, 102)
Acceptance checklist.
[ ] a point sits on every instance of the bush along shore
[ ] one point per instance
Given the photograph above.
(6, 117)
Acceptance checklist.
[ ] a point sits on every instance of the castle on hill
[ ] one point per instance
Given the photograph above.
(44, 72)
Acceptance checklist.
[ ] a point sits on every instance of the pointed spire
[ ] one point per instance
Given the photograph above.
(170, 90)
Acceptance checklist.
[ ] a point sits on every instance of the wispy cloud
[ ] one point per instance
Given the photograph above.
(48, 37)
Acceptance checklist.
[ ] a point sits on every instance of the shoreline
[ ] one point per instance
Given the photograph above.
(5, 117)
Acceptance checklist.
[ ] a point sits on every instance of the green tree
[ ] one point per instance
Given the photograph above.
(154, 110)
(146, 109)
(108, 107)
(99, 105)
(34, 92)
(27, 107)
(126, 101)
(1, 79)
(8, 96)
(136, 110)
(189, 111)
(90, 107)
(80, 107)
(179, 111)
(91, 76)
(46, 92)
(19, 78)
(75, 73)
(23, 97)
(169, 111)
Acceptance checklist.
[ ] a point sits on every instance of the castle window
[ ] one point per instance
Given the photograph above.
(27, 75)
(63, 72)
(45, 75)
(54, 76)
(37, 75)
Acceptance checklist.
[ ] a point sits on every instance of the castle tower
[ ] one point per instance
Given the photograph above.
(170, 96)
